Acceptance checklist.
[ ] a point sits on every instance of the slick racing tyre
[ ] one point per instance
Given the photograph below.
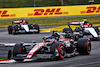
(58, 50)
(84, 46)
(18, 49)
(37, 28)
(10, 28)
(15, 28)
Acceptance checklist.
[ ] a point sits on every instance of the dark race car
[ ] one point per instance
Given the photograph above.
(22, 26)
(53, 47)
(85, 30)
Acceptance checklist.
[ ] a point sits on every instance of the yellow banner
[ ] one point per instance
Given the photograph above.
(7, 13)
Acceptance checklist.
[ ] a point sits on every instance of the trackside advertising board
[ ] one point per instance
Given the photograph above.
(32, 12)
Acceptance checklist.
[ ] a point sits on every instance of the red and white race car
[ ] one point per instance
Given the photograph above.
(53, 47)
(23, 27)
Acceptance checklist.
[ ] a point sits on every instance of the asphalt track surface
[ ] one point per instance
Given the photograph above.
(92, 60)
(10, 38)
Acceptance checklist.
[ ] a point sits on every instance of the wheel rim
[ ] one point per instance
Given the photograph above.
(88, 47)
(61, 51)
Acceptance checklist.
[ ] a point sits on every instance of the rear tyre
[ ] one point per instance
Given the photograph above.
(18, 49)
(37, 28)
(10, 28)
(15, 29)
(84, 46)
(58, 50)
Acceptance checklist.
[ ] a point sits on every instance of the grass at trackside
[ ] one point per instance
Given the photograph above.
(28, 3)
(53, 22)
(41, 3)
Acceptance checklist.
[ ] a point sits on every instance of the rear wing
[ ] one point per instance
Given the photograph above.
(75, 23)
(18, 22)
(80, 23)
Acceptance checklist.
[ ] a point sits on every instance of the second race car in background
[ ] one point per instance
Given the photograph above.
(85, 30)
(23, 27)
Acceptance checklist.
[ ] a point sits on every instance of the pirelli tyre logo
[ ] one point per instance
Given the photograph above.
(92, 10)
(53, 11)
(3, 13)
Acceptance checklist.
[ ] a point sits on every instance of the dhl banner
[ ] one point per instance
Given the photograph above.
(7, 13)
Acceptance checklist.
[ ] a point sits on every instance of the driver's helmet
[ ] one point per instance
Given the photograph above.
(85, 21)
(49, 39)
(85, 24)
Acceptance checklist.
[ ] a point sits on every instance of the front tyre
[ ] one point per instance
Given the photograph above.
(18, 49)
(37, 28)
(58, 50)
(10, 28)
(15, 28)
(61, 51)
(84, 46)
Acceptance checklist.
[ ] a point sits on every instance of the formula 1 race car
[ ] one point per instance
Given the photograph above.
(23, 27)
(85, 30)
(53, 47)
